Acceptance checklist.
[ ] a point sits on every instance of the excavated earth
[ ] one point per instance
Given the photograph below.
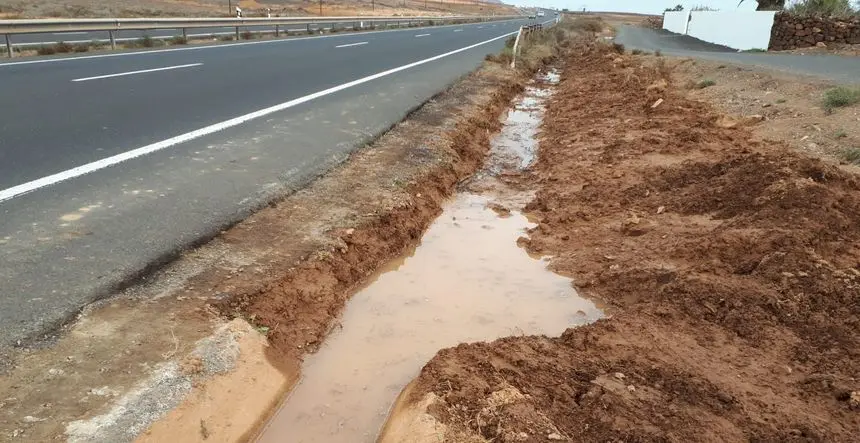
(730, 269)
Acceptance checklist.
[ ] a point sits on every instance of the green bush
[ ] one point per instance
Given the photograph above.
(705, 84)
(837, 8)
(851, 155)
(840, 97)
(145, 42)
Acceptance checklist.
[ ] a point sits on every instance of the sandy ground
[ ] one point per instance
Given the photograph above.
(792, 106)
(251, 8)
(729, 265)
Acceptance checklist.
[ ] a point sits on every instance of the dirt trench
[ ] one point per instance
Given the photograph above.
(730, 266)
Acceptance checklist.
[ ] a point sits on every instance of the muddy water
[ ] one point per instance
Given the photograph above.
(467, 281)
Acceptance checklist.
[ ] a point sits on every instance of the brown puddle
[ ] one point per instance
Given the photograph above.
(467, 281)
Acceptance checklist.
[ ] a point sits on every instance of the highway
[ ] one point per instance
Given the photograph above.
(113, 162)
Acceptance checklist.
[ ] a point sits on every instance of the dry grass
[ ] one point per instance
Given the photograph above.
(200, 8)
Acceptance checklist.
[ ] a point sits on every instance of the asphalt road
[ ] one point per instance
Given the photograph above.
(269, 116)
(839, 69)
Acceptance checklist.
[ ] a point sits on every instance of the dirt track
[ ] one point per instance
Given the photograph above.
(730, 268)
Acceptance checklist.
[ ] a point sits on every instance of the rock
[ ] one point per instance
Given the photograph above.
(766, 105)
(854, 400)
(554, 436)
(619, 376)
(659, 86)
(350, 231)
(821, 45)
(634, 226)
(31, 419)
(753, 119)
(631, 388)
(661, 209)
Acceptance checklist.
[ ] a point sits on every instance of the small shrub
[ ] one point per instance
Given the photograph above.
(658, 53)
(851, 155)
(780, 101)
(636, 52)
(179, 40)
(82, 47)
(841, 134)
(226, 38)
(618, 47)
(145, 42)
(705, 84)
(63, 47)
(756, 50)
(247, 35)
(46, 50)
(840, 97)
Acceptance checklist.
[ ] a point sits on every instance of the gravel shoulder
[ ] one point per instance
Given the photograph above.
(728, 263)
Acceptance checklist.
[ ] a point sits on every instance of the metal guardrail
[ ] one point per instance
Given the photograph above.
(113, 25)
(523, 32)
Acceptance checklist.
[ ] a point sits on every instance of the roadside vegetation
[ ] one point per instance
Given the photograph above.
(541, 47)
(852, 155)
(840, 97)
(829, 8)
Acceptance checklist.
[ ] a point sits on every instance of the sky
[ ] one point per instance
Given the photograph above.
(640, 6)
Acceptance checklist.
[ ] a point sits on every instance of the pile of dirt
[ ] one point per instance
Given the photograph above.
(730, 268)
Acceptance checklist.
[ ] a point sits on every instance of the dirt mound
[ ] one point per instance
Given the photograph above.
(730, 267)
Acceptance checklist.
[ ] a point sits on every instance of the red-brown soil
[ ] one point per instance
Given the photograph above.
(729, 268)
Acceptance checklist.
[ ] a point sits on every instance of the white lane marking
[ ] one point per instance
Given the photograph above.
(458, 30)
(31, 186)
(351, 44)
(142, 71)
(422, 35)
(69, 33)
(197, 48)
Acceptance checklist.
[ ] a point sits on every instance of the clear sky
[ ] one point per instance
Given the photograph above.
(641, 6)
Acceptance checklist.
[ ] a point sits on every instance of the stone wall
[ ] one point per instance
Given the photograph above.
(792, 31)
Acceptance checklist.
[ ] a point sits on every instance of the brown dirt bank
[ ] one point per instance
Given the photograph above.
(730, 267)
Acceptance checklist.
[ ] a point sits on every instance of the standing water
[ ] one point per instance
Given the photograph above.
(467, 281)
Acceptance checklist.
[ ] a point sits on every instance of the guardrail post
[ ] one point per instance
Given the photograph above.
(185, 34)
(277, 30)
(309, 28)
(514, 51)
(9, 47)
(112, 39)
(237, 33)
